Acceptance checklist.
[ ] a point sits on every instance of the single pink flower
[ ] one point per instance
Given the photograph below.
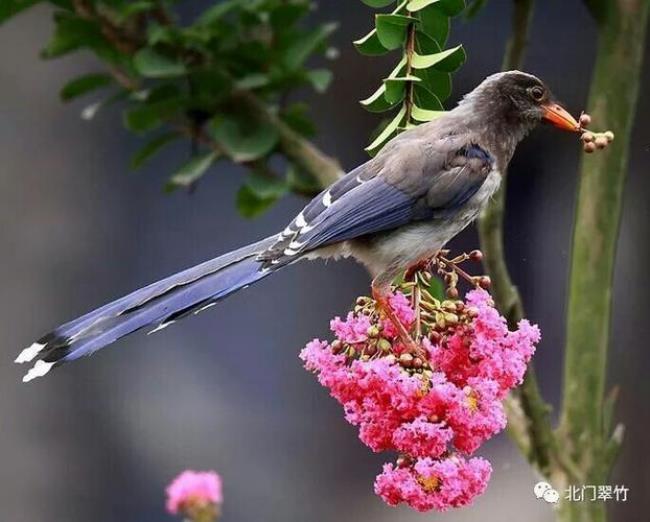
(421, 438)
(353, 330)
(194, 490)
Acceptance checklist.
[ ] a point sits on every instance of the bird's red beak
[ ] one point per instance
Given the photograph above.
(560, 117)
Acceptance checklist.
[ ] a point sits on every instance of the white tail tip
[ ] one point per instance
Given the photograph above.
(29, 353)
(161, 326)
(39, 369)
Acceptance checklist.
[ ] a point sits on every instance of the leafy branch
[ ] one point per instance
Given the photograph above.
(421, 81)
(222, 82)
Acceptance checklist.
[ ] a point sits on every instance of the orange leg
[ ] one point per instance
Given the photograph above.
(425, 264)
(380, 294)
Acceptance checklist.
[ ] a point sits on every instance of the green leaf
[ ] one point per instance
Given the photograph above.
(320, 79)
(287, 14)
(438, 82)
(378, 102)
(250, 205)
(424, 115)
(191, 172)
(297, 117)
(297, 54)
(9, 8)
(72, 33)
(161, 104)
(83, 85)
(133, 8)
(152, 64)
(157, 34)
(434, 80)
(448, 60)
(378, 4)
(435, 24)
(426, 99)
(437, 288)
(452, 7)
(391, 29)
(253, 81)
(387, 132)
(370, 45)
(417, 5)
(395, 87)
(266, 186)
(217, 11)
(151, 148)
(244, 138)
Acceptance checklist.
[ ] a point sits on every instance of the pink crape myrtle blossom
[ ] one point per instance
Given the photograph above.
(431, 413)
(195, 494)
(493, 353)
(434, 484)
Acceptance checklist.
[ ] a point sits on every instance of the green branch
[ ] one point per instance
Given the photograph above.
(584, 430)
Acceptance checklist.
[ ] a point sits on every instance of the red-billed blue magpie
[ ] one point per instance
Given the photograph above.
(396, 210)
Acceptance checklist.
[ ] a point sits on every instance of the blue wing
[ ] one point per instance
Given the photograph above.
(406, 187)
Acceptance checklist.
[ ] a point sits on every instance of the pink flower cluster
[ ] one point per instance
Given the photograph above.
(194, 492)
(434, 417)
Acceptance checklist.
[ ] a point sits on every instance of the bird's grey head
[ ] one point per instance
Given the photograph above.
(507, 105)
(518, 98)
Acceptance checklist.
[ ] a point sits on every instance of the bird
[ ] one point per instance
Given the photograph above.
(394, 211)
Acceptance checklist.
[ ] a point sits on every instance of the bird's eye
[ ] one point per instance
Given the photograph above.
(537, 93)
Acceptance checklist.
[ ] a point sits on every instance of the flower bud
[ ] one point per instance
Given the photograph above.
(589, 147)
(601, 142)
(484, 282)
(384, 345)
(585, 119)
(337, 347)
(417, 363)
(373, 331)
(404, 461)
(452, 293)
(609, 135)
(452, 319)
(587, 137)
(406, 360)
(476, 255)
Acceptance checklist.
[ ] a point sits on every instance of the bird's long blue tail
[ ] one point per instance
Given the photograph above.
(157, 305)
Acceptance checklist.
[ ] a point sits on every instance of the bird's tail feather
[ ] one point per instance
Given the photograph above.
(159, 304)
